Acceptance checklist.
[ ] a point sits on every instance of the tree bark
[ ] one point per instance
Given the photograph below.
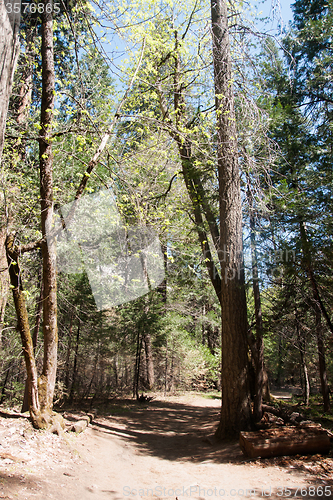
(25, 92)
(68, 351)
(9, 52)
(166, 360)
(38, 313)
(136, 379)
(21, 103)
(306, 379)
(162, 288)
(149, 361)
(301, 346)
(116, 371)
(86, 393)
(318, 310)
(325, 390)
(4, 278)
(3, 391)
(50, 330)
(258, 351)
(24, 330)
(236, 409)
(311, 275)
(172, 366)
(71, 394)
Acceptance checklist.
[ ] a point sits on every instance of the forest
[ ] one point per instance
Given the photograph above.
(191, 153)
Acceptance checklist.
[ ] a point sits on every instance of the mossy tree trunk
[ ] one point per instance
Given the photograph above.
(41, 391)
(38, 317)
(4, 280)
(24, 330)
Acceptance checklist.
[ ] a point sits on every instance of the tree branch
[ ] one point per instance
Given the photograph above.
(106, 136)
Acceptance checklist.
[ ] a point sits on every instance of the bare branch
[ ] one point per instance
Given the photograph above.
(107, 135)
(29, 247)
(190, 20)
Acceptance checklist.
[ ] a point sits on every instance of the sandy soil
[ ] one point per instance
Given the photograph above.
(161, 449)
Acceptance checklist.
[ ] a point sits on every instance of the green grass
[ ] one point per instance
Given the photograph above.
(314, 412)
(210, 395)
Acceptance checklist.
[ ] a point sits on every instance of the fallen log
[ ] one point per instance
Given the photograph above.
(284, 413)
(80, 423)
(302, 440)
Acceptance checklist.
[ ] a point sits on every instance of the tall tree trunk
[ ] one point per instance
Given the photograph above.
(4, 278)
(203, 325)
(38, 313)
(325, 390)
(143, 371)
(258, 351)
(3, 391)
(41, 397)
(236, 409)
(68, 352)
(307, 260)
(25, 92)
(200, 205)
(306, 380)
(50, 330)
(9, 52)
(24, 329)
(166, 367)
(136, 379)
(116, 371)
(301, 346)
(9, 35)
(149, 361)
(280, 362)
(86, 393)
(319, 309)
(76, 353)
(162, 287)
(22, 102)
(127, 373)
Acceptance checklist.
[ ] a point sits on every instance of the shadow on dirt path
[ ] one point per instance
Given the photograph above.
(156, 451)
(172, 431)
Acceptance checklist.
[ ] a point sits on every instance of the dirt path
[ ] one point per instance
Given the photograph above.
(159, 450)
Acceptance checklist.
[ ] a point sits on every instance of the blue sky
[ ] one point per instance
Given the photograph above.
(278, 13)
(286, 10)
(277, 9)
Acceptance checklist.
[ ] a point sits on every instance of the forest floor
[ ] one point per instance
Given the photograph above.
(136, 451)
